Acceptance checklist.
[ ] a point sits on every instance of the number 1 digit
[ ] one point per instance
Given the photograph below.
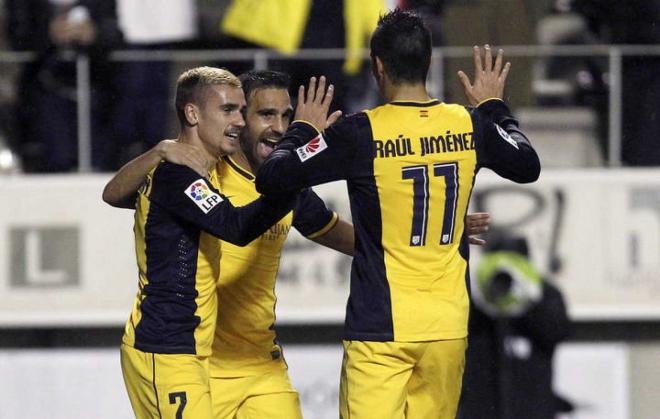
(420, 177)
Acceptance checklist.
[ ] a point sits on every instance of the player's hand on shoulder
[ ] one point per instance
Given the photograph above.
(314, 104)
(489, 77)
(184, 154)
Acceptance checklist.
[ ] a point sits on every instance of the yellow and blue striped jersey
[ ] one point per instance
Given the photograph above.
(410, 168)
(245, 340)
(178, 220)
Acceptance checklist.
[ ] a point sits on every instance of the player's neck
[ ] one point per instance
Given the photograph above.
(240, 159)
(406, 92)
(191, 138)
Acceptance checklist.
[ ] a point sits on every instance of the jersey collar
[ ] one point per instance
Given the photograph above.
(238, 169)
(424, 104)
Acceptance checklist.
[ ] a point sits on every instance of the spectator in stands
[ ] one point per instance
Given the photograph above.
(633, 22)
(516, 321)
(140, 113)
(289, 25)
(431, 12)
(47, 108)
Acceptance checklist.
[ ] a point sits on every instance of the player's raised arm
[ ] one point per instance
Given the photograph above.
(314, 149)
(122, 189)
(489, 78)
(501, 145)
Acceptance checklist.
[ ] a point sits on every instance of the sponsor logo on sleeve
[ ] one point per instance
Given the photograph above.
(202, 195)
(506, 136)
(312, 148)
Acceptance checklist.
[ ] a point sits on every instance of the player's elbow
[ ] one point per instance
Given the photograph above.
(524, 170)
(239, 233)
(533, 171)
(241, 240)
(113, 198)
(110, 197)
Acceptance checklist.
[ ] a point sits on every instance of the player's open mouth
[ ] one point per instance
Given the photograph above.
(232, 136)
(269, 144)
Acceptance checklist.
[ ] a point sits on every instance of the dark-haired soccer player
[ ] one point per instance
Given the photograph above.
(248, 374)
(410, 167)
(179, 217)
(247, 370)
(249, 377)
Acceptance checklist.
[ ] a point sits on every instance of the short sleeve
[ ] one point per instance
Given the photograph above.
(311, 217)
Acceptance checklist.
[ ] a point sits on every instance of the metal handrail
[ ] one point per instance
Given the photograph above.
(260, 58)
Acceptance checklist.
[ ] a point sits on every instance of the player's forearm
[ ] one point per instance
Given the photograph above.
(509, 151)
(341, 238)
(241, 225)
(122, 189)
(283, 170)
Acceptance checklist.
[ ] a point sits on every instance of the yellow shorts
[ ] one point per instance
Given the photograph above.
(165, 386)
(415, 380)
(269, 395)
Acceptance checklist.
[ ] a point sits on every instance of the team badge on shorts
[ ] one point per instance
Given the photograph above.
(202, 195)
(312, 148)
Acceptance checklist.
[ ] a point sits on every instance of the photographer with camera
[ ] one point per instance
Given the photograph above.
(517, 318)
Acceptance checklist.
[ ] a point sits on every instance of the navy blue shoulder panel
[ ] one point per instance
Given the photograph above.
(369, 310)
(168, 308)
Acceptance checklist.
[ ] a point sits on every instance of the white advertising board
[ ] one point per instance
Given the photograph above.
(87, 383)
(67, 259)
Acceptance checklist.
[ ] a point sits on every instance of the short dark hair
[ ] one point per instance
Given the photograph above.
(403, 44)
(263, 79)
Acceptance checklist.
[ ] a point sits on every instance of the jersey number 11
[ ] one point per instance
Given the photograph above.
(420, 176)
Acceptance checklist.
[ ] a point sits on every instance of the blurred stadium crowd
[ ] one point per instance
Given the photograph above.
(130, 99)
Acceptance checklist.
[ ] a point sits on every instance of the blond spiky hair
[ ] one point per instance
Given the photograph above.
(191, 84)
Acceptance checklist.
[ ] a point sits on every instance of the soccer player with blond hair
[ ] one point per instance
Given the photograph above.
(179, 217)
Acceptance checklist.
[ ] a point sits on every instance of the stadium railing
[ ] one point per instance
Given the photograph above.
(261, 57)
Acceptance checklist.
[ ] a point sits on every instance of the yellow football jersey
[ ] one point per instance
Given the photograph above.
(174, 310)
(245, 341)
(178, 220)
(410, 168)
(426, 189)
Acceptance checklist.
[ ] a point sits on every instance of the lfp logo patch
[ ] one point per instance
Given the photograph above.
(202, 195)
(312, 148)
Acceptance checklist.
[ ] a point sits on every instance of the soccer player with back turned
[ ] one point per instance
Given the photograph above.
(410, 166)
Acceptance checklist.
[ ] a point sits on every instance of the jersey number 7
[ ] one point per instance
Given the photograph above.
(419, 175)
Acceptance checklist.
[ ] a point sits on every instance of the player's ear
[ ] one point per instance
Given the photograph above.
(191, 113)
(379, 67)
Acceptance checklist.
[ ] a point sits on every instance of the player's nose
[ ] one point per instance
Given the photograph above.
(279, 126)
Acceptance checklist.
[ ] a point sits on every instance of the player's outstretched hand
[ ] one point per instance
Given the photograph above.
(185, 155)
(314, 104)
(477, 223)
(489, 78)
(332, 118)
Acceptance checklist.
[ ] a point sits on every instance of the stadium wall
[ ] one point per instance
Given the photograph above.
(67, 268)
